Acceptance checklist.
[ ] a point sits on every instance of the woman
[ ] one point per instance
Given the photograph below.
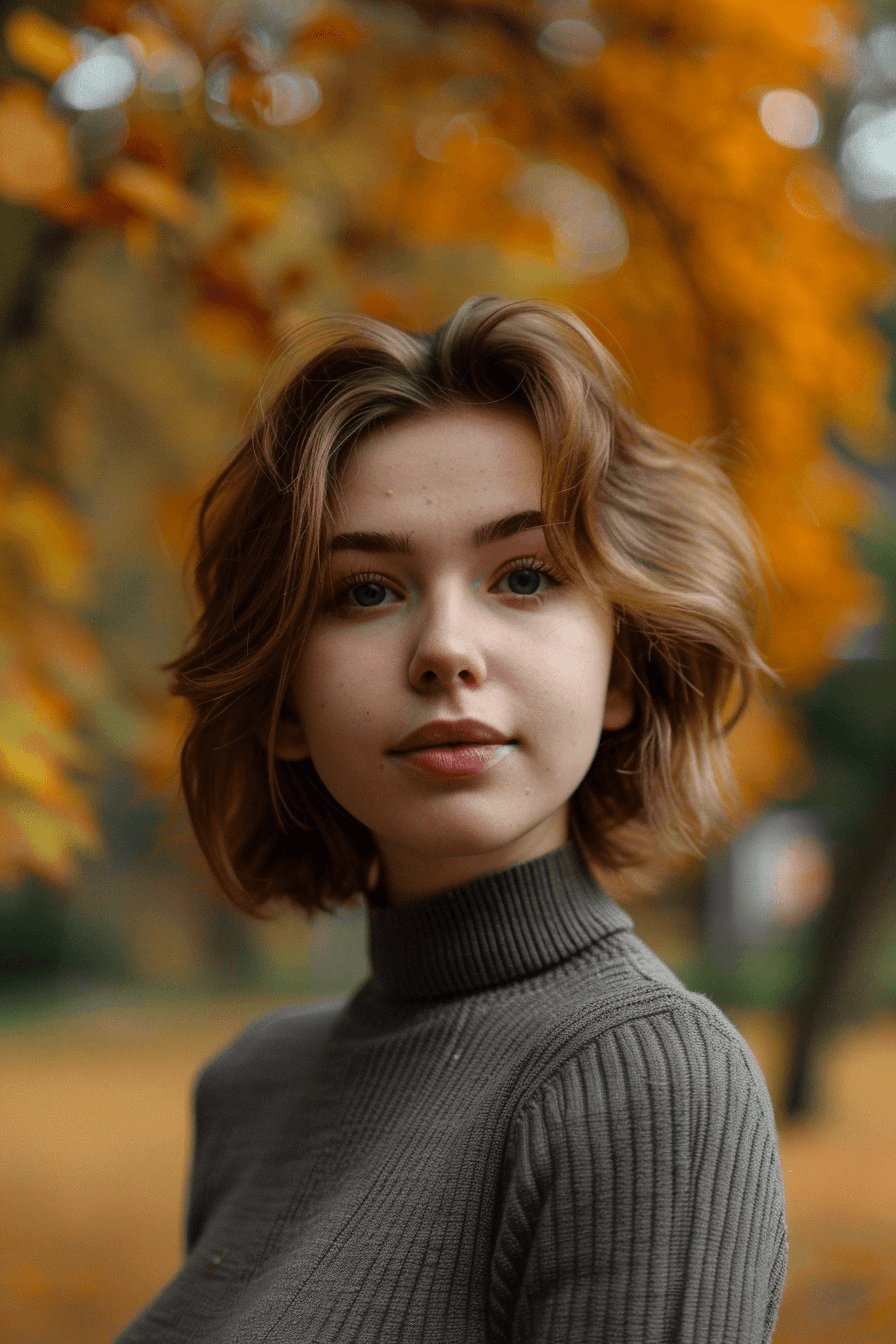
(468, 632)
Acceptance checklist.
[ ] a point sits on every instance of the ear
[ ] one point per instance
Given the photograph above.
(289, 740)
(619, 708)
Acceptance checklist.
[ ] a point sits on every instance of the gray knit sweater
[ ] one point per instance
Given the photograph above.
(522, 1128)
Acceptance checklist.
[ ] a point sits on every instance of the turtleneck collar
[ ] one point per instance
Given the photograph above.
(498, 928)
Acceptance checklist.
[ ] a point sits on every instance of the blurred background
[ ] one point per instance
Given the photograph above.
(711, 185)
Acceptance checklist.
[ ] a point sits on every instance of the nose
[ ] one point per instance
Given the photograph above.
(448, 653)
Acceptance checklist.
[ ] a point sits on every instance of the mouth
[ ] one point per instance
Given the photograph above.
(455, 733)
(455, 760)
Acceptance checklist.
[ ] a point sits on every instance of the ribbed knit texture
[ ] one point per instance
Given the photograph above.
(522, 1129)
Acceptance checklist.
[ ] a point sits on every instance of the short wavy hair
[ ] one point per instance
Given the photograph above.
(652, 524)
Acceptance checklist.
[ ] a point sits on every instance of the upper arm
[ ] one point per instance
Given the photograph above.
(206, 1141)
(642, 1194)
(239, 1094)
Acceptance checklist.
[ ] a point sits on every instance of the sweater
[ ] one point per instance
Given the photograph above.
(520, 1129)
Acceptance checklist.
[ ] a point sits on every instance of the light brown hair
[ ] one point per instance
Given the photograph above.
(653, 524)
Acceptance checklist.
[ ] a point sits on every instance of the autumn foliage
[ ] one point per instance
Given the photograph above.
(48, 670)
(396, 158)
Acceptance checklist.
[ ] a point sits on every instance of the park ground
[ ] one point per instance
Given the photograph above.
(94, 1132)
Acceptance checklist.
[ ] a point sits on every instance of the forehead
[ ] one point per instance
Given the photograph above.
(467, 459)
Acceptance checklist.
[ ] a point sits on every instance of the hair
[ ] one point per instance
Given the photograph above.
(653, 525)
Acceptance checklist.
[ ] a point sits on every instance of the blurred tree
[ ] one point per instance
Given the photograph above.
(851, 727)
(224, 170)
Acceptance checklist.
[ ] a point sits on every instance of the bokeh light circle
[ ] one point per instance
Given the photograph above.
(790, 118)
(868, 154)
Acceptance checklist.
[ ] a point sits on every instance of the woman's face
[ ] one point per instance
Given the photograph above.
(452, 695)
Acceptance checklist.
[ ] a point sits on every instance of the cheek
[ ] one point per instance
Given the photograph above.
(574, 667)
(335, 691)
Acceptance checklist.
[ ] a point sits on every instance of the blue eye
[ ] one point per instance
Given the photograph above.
(366, 592)
(370, 594)
(525, 582)
(528, 581)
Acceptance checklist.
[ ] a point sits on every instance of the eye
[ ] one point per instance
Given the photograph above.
(362, 592)
(528, 578)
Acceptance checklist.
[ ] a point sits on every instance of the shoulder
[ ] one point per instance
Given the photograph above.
(282, 1044)
(663, 1101)
(642, 1168)
(641, 1040)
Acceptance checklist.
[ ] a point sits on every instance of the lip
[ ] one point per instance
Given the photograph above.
(458, 762)
(451, 733)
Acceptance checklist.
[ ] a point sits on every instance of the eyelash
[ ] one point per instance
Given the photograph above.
(535, 562)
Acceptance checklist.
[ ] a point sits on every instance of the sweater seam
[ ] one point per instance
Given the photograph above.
(664, 1010)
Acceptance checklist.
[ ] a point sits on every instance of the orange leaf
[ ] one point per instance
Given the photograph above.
(331, 29)
(176, 519)
(152, 141)
(255, 204)
(157, 752)
(110, 16)
(66, 204)
(407, 306)
(39, 44)
(140, 236)
(244, 89)
(223, 279)
(34, 153)
(767, 756)
(151, 192)
(228, 330)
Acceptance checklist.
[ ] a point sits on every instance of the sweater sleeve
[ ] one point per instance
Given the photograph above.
(206, 1145)
(642, 1194)
(239, 1096)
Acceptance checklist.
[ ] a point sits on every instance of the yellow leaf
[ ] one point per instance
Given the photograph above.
(30, 768)
(36, 522)
(68, 653)
(26, 699)
(48, 840)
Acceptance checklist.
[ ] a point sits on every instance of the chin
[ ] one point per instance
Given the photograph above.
(447, 837)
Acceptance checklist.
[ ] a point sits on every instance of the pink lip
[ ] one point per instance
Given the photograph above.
(456, 762)
(452, 732)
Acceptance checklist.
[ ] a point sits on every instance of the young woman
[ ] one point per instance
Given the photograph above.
(469, 631)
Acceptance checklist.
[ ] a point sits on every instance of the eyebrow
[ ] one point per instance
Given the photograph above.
(396, 543)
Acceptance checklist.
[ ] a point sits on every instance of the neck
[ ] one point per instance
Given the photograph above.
(408, 876)
(503, 926)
